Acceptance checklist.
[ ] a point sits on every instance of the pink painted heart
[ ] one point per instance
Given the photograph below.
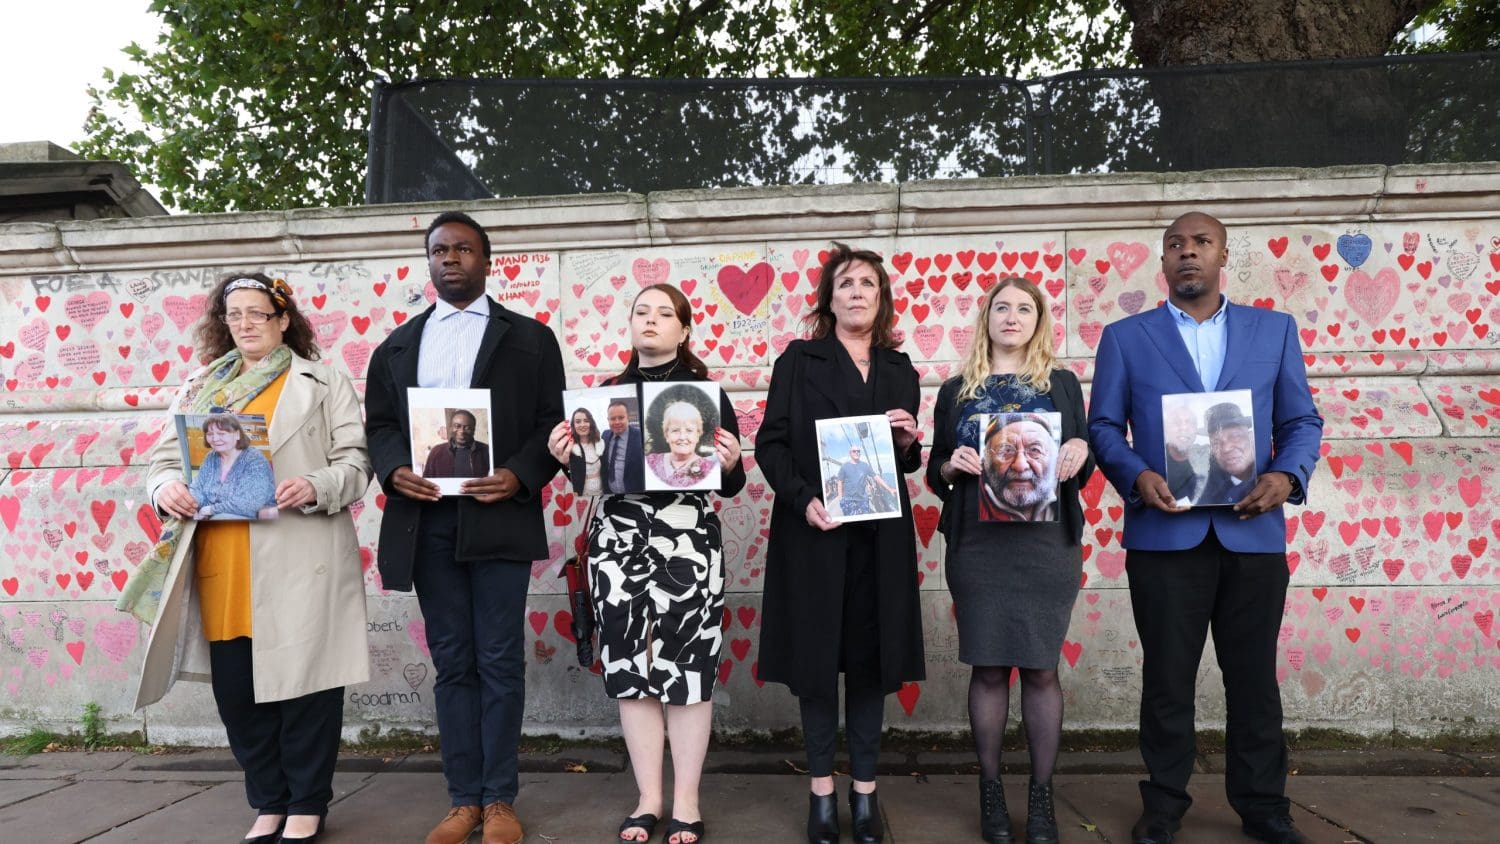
(1372, 297)
(1127, 257)
(183, 311)
(648, 273)
(87, 309)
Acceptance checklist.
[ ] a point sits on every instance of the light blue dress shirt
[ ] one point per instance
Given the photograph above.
(1206, 341)
(450, 343)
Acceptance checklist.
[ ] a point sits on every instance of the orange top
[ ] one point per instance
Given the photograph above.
(222, 554)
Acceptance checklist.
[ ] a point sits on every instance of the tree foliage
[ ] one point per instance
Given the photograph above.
(244, 106)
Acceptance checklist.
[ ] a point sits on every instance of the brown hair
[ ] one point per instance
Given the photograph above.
(226, 422)
(820, 320)
(685, 357)
(212, 335)
(1040, 359)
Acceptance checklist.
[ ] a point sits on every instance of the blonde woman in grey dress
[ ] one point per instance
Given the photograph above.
(1013, 583)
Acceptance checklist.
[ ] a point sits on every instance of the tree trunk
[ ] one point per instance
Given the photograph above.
(1273, 116)
(1171, 32)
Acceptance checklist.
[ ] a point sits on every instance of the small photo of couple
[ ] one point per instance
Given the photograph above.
(1209, 441)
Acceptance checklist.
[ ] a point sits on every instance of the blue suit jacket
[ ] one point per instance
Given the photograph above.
(635, 459)
(1140, 359)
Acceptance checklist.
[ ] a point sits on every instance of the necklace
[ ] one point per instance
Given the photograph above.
(661, 377)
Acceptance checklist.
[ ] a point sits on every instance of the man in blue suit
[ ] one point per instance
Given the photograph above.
(624, 458)
(1195, 569)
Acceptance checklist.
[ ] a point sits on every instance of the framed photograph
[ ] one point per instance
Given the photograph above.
(608, 454)
(861, 478)
(226, 460)
(450, 435)
(682, 419)
(1018, 466)
(1209, 443)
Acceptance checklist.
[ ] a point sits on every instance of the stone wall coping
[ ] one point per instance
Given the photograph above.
(781, 213)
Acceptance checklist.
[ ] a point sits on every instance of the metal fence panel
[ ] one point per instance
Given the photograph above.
(462, 139)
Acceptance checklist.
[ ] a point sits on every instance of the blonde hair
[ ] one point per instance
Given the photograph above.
(1040, 360)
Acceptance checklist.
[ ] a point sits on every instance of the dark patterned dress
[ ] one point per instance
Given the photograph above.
(656, 568)
(1013, 585)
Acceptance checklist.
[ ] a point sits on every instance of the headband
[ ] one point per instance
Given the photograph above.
(279, 291)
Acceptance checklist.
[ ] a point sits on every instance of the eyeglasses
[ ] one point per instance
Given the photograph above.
(251, 317)
(1007, 453)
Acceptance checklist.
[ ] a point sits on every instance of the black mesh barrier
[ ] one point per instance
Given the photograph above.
(463, 139)
(584, 136)
(1394, 110)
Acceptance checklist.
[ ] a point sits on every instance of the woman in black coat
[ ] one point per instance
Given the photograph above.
(840, 598)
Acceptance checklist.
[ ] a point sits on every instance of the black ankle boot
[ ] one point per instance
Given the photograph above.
(822, 819)
(994, 818)
(864, 811)
(1041, 820)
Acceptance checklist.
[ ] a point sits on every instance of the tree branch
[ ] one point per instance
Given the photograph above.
(925, 17)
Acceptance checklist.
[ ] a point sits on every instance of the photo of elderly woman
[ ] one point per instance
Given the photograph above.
(228, 470)
(682, 420)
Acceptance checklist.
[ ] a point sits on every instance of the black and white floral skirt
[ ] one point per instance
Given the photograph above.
(657, 568)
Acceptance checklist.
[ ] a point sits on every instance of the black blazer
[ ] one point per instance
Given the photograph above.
(521, 365)
(1067, 396)
(635, 459)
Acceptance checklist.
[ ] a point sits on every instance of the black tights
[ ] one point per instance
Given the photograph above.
(1041, 712)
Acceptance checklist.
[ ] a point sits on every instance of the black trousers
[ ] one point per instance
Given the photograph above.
(859, 658)
(1177, 597)
(287, 748)
(476, 618)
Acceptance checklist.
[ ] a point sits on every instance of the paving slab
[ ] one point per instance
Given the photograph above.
(215, 814)
(946, 808)
(1377, 763)
(1112, 803)
(1381, 809)
(83, 810)
(14, 791)
(66, 763)
(390, 807)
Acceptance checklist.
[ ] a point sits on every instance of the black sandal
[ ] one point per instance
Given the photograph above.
(676, 827)
(646, 822)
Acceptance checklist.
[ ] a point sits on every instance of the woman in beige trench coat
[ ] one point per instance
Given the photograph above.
(279, 680)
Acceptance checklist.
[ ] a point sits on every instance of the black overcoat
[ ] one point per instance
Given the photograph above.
(801, 616)
(521, 365)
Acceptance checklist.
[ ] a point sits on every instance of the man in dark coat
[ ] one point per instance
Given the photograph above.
(469, 556)
(624, 453)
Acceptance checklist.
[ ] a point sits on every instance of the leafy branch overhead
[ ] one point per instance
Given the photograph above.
(246, 106)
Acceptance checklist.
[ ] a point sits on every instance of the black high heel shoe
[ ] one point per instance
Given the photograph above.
(317, 833)
(864, 809)
(822, 819)
(269, 838)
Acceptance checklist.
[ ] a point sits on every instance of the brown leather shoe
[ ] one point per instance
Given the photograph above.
(501, 825)
(455, 828)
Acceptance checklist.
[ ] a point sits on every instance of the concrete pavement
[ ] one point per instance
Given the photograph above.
(1338, 796)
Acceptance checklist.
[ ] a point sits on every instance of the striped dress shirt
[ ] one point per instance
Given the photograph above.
(450, 343)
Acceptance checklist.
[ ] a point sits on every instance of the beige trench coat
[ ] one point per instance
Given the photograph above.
(307, 604)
